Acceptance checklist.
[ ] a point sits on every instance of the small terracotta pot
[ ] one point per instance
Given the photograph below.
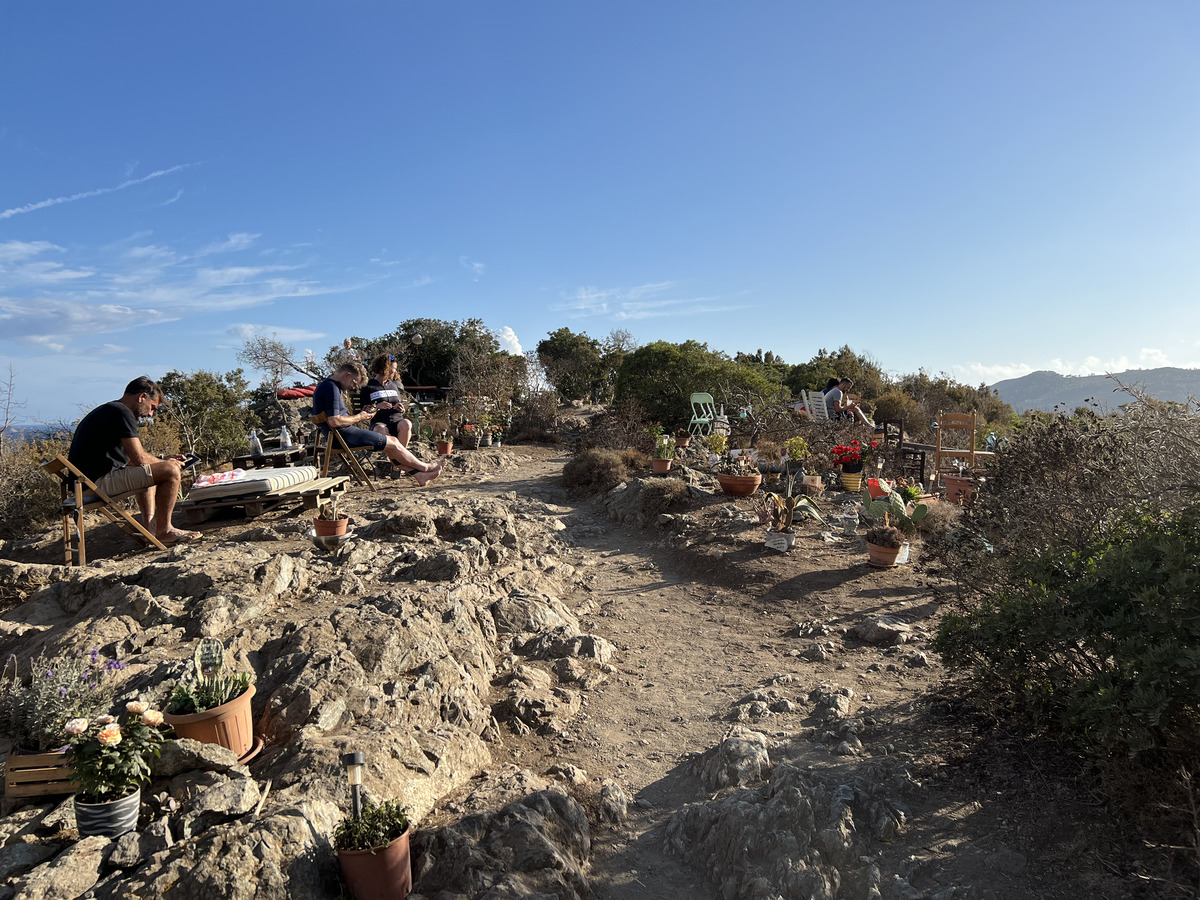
(443, 447)
(882, 557)
(739, 485)
(331, 527)
(230, 724)
(660, 466)
(681, 443)
(960, 490)
(383, 873)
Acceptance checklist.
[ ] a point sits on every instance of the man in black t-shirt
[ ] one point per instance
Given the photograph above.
(106, 448)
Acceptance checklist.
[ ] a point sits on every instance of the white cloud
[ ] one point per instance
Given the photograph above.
(638, 302)
(15, 251)
(96, 192)
(178, 194)
(110, 350)
(47, 321)
(244, 331)
(978, 373)
(508, 340)
(475, 268)
(1153, 359)
(238, 241)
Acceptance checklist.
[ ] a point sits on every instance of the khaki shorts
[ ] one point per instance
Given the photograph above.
(126, 480)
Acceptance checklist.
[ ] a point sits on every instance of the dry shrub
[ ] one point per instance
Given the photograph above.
(769, 451)
(594, 471)
(620, 427)
(633, 459)
(939, 523)
(660, 494)
(29, 498)
(536, 419)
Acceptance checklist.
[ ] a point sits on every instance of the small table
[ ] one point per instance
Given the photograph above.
(272, 459)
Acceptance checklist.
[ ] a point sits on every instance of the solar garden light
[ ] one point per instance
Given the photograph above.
(353, 764)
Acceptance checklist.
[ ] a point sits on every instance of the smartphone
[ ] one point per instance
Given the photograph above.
(190, 461)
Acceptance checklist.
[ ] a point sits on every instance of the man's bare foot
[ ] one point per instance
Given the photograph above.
(423, 478)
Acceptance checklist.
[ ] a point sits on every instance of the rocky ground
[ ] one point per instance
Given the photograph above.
(610, 698)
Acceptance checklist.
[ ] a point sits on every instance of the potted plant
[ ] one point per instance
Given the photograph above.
(211, 706)
(683, 437)
(34, 711)
(485, 432)
(960, 488)
(373, 850)
(852, 457)
(470, 436)
(444, 444)
(883, 545)
(664, 452)
(110, 760)
(737, 476)
(327, 522)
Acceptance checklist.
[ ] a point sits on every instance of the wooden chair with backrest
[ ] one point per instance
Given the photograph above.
(704, 410)
(815, 404)
(79, 495)
(333, 444)
(955, 442)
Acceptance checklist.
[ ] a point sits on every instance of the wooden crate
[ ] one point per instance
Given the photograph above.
(36, 774)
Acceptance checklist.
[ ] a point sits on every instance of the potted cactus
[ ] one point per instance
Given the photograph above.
(212, 706)
(899, 518)
(327, 522)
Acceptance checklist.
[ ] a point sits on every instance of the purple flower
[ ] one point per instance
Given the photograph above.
(62, 691)
(113, 665)
(94, 654)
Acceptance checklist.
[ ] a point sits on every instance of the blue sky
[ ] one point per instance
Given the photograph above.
(982, 189)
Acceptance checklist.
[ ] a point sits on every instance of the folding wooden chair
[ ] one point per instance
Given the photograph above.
(704, 410)
(328, 448)
(945, 456)
(80, 495)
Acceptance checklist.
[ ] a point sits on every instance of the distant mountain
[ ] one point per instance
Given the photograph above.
(1045, 390)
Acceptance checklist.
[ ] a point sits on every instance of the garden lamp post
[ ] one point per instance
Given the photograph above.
(353, 764)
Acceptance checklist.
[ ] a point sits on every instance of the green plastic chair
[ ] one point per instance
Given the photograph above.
(703, 413)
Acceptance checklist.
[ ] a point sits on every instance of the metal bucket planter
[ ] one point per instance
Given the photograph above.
(109, 819)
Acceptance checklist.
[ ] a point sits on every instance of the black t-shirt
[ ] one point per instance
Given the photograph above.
(96, 448)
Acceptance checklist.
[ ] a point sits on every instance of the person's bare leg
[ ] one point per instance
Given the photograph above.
(380, 428)
(166, 489)
(145, 502)
(403, 432)
(426, 472)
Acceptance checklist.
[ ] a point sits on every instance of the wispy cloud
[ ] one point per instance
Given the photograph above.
(475, 268)
(1148, 358)
(244, 331)
(508, 340)
(232, 244)
(15, 251)
(640, 302)
(178, 194)
(83, 195)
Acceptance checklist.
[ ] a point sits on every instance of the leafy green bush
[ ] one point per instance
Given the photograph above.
(377, 827)
(1102, 640)
(29, 498)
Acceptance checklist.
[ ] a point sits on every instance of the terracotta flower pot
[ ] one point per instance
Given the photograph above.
(875, 489)
(383, 873)
(959, 489)
(229, 724)
(331, 527)
(109, 819)
(739, 485)
(882, 557)
(681, 443)
(660, 466)
(443, 447)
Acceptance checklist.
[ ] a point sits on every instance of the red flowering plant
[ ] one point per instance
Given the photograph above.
(110, 759)
(853, 456)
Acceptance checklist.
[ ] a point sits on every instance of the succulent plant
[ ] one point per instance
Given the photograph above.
(893, 510)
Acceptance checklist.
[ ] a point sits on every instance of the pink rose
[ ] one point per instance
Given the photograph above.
(152, 717)
(110, 735)
(137, 707)
(104, 720)
(76, 727)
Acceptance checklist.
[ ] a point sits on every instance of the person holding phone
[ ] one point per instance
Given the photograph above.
(106, 448)
(385, 393)
(327, 398)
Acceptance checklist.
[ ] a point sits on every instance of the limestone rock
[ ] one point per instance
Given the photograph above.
(185, 755)
(739, 759)
(70, 874)
(883, 631)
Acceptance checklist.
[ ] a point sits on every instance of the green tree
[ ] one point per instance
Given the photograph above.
(210, 411)
(573, 364)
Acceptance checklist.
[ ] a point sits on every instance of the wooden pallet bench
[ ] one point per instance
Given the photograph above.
(311, 493)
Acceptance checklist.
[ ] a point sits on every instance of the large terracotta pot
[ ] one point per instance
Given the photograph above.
(960, 489)
(229, 724)
(882, 557)
(331, 527)
(383, 873)
(110, 819)
(739, 485)
(660, 466)
(443, 447)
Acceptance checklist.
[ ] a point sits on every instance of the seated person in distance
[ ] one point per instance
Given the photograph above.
(327, 398)
(106, 448)
(841, 406)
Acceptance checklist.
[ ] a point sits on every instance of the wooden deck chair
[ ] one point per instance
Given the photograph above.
(815, 404)
(333, 444)
(945, 456)
(703, 413)
(80, 495)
